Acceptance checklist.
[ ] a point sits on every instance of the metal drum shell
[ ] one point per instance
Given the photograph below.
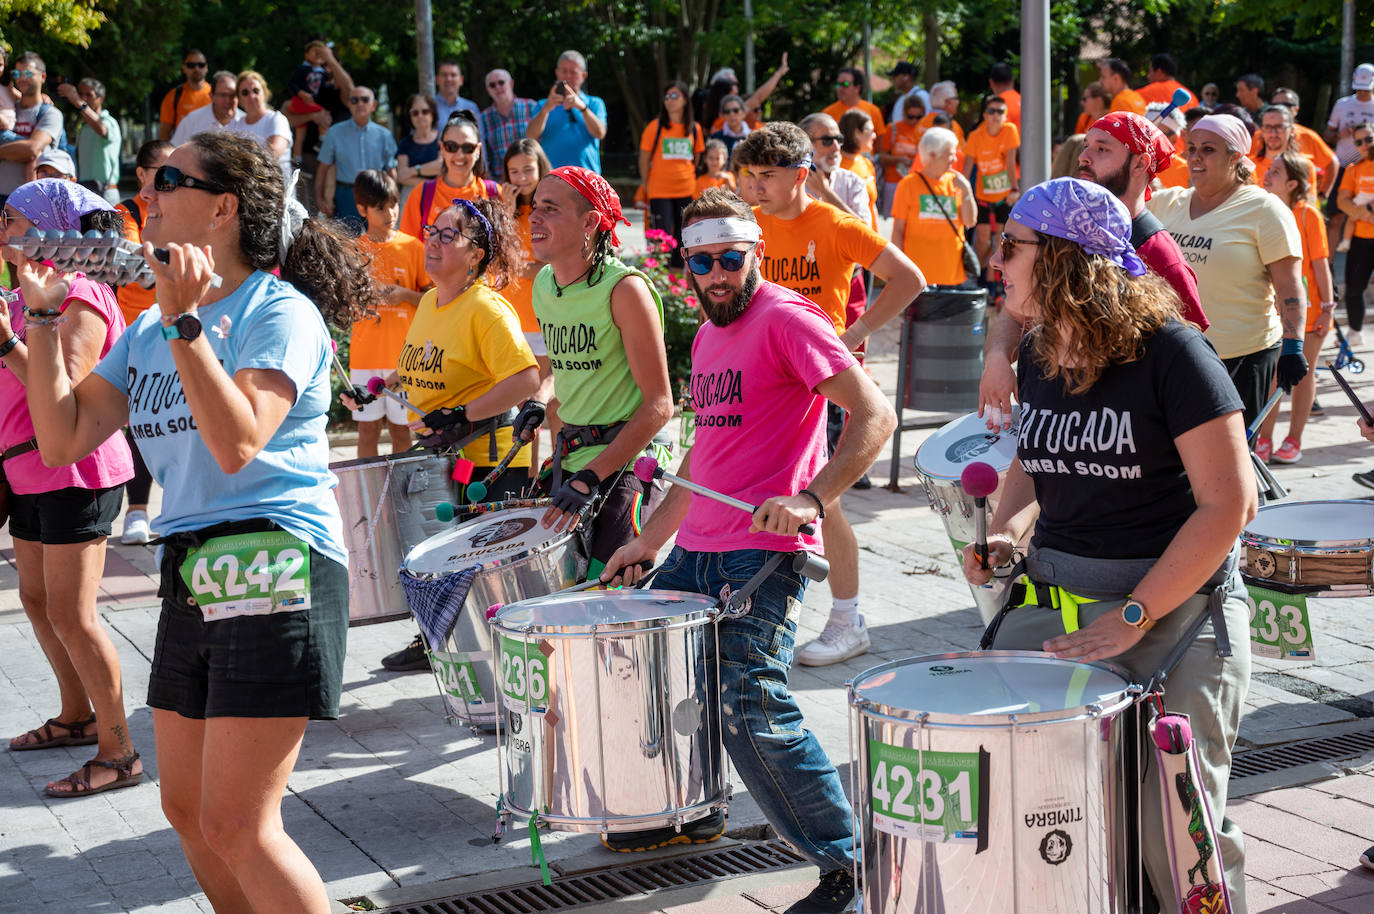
(631, 736)
(387, 504)
(1334, 564)
(1056, 770)
(556, 564)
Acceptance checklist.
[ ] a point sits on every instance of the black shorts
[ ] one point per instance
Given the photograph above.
(1253, 375)
(64, 516)
(986, 212)
(286, 664)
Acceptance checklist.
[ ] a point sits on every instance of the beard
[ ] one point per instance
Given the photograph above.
(724, 314)
(1117, 182)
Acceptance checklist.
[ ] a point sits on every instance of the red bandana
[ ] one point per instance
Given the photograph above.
(1140, 137)
(599, 193)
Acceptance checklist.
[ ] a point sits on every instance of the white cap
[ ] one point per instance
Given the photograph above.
(58, 159)
(1364, 77)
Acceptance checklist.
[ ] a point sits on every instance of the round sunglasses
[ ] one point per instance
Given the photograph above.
(730, 262)
(466, 148)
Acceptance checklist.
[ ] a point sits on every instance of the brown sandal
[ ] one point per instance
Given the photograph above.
(80, 780)
(48, 737)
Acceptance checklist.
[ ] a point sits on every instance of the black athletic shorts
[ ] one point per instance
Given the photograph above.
(987, 211)
(64, 516)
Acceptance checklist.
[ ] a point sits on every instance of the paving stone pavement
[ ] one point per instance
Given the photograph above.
(391, 797)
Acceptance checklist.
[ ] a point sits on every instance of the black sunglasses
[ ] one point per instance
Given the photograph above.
(195, 66)
(168, 178)
(732, 111)
(830, 139)
(356, 99)
(1365, 142)
(467, 148)
(730, 262)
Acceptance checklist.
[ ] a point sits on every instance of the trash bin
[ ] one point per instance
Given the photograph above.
(942, 349)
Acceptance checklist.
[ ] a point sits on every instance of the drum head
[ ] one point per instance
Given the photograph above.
(987, 683)
(497, 537)
(1314, 522)
(602, 607)
(945, 454)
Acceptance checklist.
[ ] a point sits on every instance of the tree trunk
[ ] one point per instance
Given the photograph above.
(931, 25)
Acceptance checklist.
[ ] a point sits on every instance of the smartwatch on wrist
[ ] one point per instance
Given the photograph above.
(185, 327)
(1133, 614)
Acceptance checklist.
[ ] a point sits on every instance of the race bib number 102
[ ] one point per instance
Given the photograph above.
(251, 574)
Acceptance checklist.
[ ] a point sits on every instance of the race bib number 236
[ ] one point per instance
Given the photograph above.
(251, 574)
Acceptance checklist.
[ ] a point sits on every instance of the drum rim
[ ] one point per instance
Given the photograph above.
(609, 629)
(938, 719)
(385, 460)
(933, 475)
(547, 546)
(1283, 544)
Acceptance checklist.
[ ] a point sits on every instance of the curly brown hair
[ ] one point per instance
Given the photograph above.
(502, 255)
(323, 263)
(775, 144)
(1094, 310)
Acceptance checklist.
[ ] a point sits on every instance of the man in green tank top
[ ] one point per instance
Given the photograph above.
(603, 326)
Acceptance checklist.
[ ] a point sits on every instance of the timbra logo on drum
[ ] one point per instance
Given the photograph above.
(966, 449)
(943, 670)
(1056, 847)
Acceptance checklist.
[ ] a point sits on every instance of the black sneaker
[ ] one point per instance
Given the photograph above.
(1365, 479)
(1318, 409)
(698, 831)
(863, 483)
(834, 895)
(1367, 859)
(408, 659)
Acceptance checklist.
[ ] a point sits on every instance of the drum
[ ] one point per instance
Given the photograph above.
(388, 506)
(990, 782)
(517, 559)
(941, 459)
(612, 721)
(1323, 548)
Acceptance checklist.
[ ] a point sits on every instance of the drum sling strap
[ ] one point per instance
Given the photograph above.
(575, 437)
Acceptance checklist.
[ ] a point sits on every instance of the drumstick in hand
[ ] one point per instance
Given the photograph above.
(377, 387)
(979, 480)
(647, 469)
(477, 491)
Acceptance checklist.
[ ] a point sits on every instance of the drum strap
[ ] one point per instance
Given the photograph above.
(575, 437)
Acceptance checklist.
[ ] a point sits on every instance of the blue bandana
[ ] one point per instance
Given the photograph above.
(1087, 214)
(55, 203)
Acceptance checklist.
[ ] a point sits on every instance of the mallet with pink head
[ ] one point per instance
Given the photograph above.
(979, 480)
(647, 469)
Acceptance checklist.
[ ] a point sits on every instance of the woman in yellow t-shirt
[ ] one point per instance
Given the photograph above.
(856, 154)
(932, 208)
(463, 175)
(668, 150)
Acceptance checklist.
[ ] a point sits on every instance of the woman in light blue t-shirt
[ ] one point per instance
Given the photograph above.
(226, 389)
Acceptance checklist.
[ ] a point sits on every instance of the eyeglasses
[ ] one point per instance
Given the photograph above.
(730, 261)
(466, 148)
(915, 115)
(418, 112)
(360, 99)
(250, 90)
(672, 96)
(1009, 244)
(445, 235)
(845, 84)
(168, 178)
(830, 139)
(495, 83)
(729, 111)
(195, 65)
(24, 74)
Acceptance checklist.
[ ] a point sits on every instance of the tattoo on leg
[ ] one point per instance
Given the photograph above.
(123, 736)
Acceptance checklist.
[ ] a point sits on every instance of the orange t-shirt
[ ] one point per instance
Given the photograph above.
(412, 220)
(376, 342)
(1262, 164)
(191, 99)
(1013, 100)
(1163, 92)
(837, 110)
(133, 299)
(672, 167)
(1312, 229)
(1359, 179)
(933, 244)
(901, 139)
(1176, 175)
(992, 156)
(1310, 144)
(750, 121)
(1083, 123)
(726, 180)
(1128, 100)
(519, 291)
(928, 121)
(862, 166)
(815, 254)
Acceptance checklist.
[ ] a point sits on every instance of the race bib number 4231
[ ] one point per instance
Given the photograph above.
(929, 796)
(251, 574)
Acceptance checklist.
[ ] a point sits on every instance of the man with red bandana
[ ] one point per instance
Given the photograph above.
(602, 323)
(1122, 152)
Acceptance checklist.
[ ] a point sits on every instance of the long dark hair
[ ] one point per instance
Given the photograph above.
(463, 118)
(526, 147)
(687, 120)
(323, 263)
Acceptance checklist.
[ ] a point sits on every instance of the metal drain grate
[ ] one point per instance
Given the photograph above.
(1304, 752)
(583, 889)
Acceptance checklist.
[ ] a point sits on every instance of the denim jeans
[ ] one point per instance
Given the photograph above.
(779, 760)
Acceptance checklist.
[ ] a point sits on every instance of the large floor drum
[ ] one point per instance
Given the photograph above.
(990, 782)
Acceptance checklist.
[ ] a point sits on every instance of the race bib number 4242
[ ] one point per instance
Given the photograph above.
(251, 574)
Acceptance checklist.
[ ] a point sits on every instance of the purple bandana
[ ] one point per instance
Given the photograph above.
(1087, 214)
(54, 203)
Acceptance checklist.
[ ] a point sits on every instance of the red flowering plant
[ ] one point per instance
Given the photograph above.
(681, 310)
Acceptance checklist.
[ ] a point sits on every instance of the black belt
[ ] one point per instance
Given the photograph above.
(30, 445)
(575, 437)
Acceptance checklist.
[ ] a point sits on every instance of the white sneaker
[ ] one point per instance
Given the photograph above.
(136, 529)
(1354, 339)
(837, 642)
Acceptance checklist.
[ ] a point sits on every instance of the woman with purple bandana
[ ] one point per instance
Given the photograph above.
(60, 516)
(1132, 483)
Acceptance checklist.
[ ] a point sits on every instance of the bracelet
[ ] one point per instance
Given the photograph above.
(1290, 347)
(44, 321)
(170, 319)
(820, 508)
(41, 312)
(8, 346)
(1328, 306)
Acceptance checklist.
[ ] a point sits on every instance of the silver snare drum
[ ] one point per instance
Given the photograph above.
(519, 559)
(388, 506)
(941, 459)
(990, 782)
(612, 720)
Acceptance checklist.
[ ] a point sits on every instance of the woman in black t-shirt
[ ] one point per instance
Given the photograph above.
(1133, 472)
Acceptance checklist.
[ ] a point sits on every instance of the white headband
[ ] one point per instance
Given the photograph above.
(720, 231)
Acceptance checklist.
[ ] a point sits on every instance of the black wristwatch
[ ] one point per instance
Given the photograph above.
(185, 327)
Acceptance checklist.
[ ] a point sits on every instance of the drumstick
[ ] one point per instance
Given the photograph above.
(647, 469)
(979, 480)
(343, 374)
(478, 490)
(1254, 428)
(377, 387)
(1179, 99)
(1345, 386)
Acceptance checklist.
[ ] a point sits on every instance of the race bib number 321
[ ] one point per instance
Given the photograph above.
(251, 574)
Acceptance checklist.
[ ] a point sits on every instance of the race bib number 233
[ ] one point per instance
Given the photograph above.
(250, 574)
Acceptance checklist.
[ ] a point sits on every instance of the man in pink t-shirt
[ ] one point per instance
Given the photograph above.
(763, 368)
